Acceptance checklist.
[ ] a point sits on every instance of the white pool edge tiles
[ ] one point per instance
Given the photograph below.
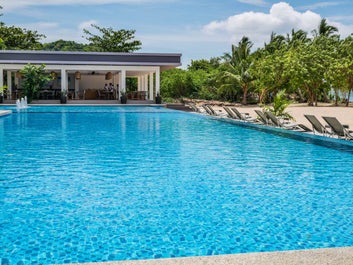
(327, 256)
(5, 112)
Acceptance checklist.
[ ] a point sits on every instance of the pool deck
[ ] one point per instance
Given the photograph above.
(324, 256)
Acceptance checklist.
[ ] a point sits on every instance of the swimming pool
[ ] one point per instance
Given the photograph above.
(86, 184)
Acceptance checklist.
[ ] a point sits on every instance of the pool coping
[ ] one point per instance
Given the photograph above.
(328, 256)
(5, 112)
(309, 137)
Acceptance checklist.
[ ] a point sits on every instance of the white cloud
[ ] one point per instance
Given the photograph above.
(253, 2)
(320, 5)
(86, 24)
(341, 18)
(11, 5)
(281, 19)
(343, 30)
(54, 31)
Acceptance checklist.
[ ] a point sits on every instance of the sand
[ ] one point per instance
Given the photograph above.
(343, 114)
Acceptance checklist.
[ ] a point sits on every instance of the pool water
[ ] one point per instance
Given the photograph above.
(89, 184)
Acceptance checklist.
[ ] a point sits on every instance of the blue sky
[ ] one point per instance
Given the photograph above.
(198, 29)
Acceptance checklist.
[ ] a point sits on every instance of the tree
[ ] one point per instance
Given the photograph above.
(235, 73)
(15, 38)
(35, 78)
(110, 40)
(325, 30)
(63, 45)
(280, 103)
(177, 83)
(297, 38)
(340, 71)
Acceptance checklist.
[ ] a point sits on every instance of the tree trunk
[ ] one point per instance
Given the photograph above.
(349, 95)
(325, 96)
(336, 97)
(245, 93)
(301, 97)
(349, 90)
(262, 96)
(310, 96)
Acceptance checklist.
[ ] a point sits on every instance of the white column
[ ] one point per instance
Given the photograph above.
(158, 81)
(9, 84)
(145, 86)
(77, 88)
(142, 86)
(151, 87)
(123, 81)
(139, 83)
(1, 76)
(63, 81)
(116, 85)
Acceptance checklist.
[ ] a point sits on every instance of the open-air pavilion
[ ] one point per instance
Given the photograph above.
(83, 75)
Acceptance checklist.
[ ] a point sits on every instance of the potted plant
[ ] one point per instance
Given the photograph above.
(63, 97)
(34, 79)
(158, 99)
(2, 89)
(123, 98)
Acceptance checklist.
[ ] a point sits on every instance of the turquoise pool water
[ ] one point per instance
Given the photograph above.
(86, 184)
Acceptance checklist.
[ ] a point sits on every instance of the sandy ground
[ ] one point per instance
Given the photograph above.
(343, 114)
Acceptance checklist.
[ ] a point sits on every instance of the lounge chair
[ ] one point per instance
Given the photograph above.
(262, 117)
(286, 125)
(317, 125)
(338, 128)
(211, 111)
(194, 107)
(208, 110)
(231, 114)
(243, 116)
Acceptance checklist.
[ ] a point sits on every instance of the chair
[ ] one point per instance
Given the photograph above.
(209, 110)
(278, 123)
(243, 116)
(194, 107)
(101, 94)
(231, 114)
(338, 128)
(317, 125)
(262, 117)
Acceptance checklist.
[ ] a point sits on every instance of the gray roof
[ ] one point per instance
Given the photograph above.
(165, 60)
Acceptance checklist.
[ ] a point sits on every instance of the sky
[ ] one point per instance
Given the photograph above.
(198, 29)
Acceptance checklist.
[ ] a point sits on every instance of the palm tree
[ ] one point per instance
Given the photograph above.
(236, 69)
(325, 29)
(276, 42)
(297, 37)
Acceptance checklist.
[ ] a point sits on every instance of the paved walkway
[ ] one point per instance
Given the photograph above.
(329, 256)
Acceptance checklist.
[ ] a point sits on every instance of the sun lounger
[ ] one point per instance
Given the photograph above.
(262, 117)
(230, 113)
(208, 110)
(317, 125)
(338, 128)
(194, 107)
(243, 116)
(283, 124)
